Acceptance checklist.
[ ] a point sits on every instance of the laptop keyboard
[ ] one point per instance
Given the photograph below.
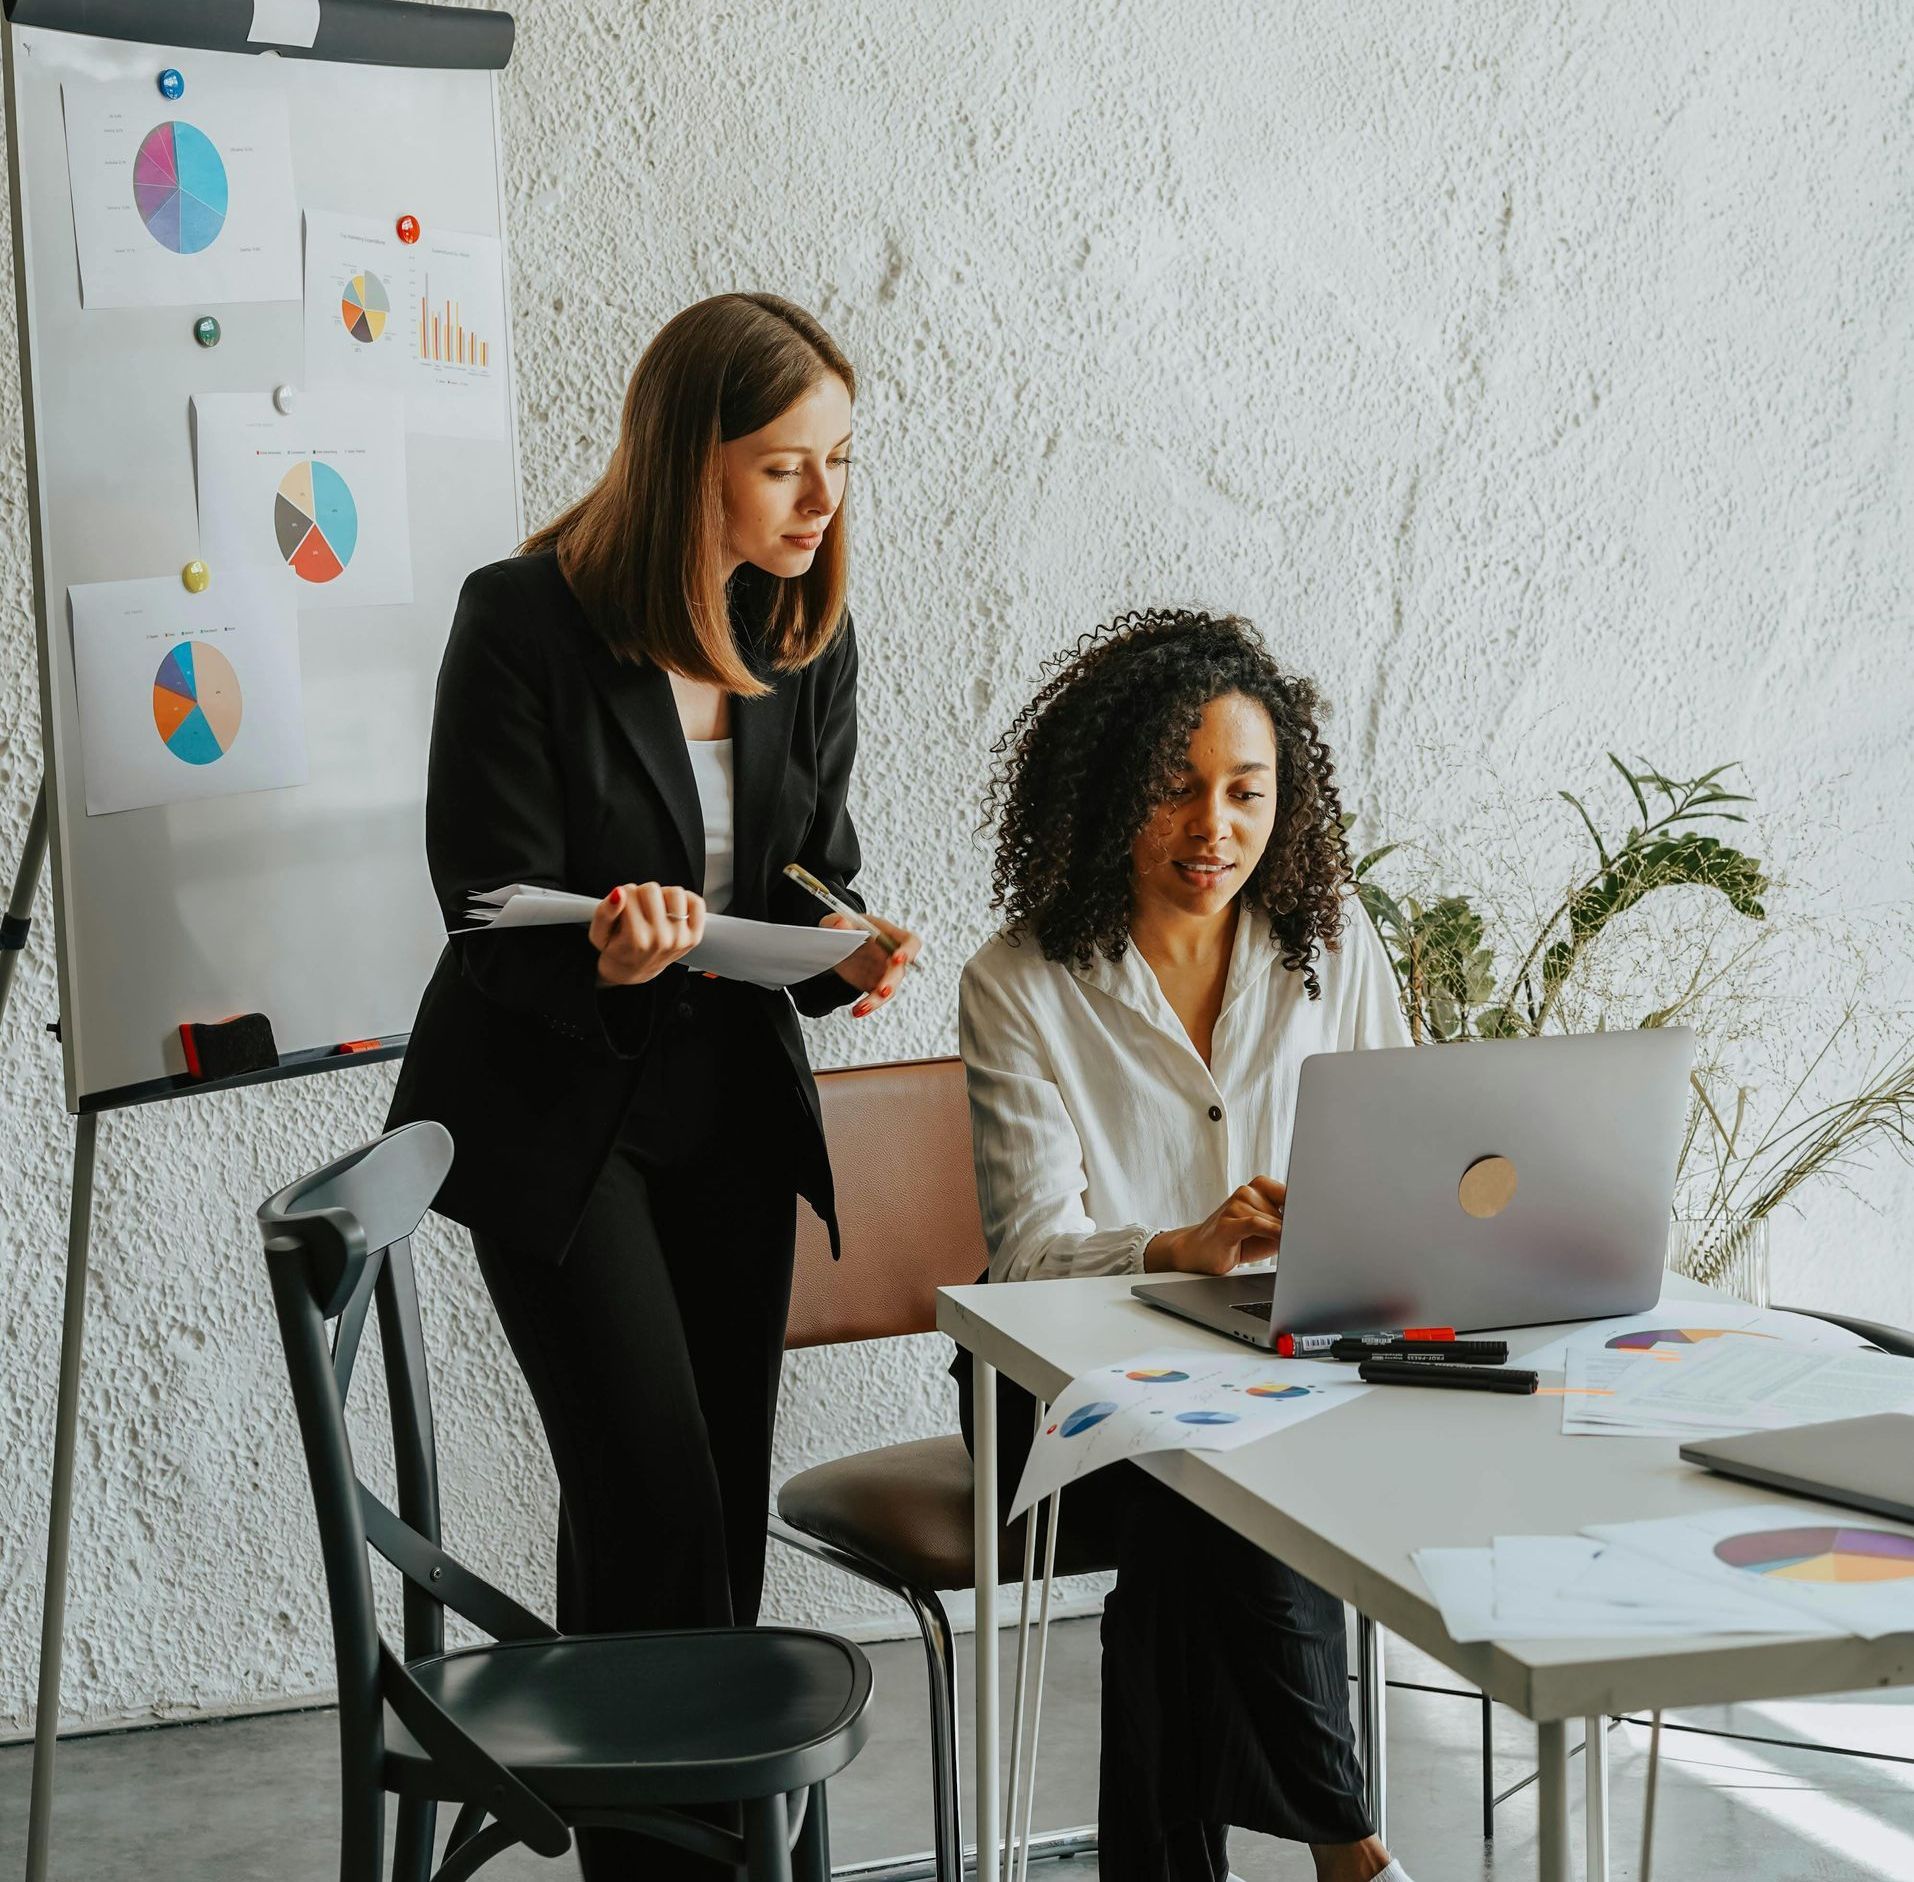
(1256, 1309)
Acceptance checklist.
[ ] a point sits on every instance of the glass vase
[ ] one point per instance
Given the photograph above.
(1728, 1252)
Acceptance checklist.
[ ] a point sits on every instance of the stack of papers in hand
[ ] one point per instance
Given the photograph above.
(765, 953)
(1589, 1587)
(1690, 1388)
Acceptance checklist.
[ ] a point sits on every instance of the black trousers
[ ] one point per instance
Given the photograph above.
(653, 1349)
(1225, 1676)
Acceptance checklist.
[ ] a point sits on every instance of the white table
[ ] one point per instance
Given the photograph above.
(1346, 1497)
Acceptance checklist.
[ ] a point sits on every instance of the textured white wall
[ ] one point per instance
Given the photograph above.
(1543, 379)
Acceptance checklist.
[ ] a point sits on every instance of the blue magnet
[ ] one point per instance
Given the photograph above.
(172, 82)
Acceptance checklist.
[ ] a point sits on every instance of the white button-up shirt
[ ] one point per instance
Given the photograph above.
(1095, 1123)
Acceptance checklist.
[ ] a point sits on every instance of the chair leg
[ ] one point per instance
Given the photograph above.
(811, 1860)
(767, 1840)
(940, 1655)
(1372, 1731)
(412, 1841)
(1488, 1770)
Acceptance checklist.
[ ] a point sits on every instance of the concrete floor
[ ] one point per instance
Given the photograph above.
(254, 1800)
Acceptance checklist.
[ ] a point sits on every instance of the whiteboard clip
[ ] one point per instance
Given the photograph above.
(284, 398)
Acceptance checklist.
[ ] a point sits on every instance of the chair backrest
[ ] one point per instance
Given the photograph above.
(338, 1242)
(899, 1138)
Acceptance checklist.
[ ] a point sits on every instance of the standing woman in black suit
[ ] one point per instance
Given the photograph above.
(655, 703)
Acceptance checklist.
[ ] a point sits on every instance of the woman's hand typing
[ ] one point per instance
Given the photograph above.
(640, 928)
(1247, 1227)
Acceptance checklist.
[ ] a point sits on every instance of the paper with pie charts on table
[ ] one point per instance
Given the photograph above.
(765, 953)
(1734, 1385)
(1851, 1573)
(1676, 1322)
(1175, 1400)
(1582, 1588)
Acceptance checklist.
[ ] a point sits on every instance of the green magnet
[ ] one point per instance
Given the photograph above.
(206, 330)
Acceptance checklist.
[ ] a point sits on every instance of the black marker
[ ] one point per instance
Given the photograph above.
(1463, 1378)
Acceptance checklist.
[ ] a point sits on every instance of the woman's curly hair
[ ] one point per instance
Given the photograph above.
(1088, 760)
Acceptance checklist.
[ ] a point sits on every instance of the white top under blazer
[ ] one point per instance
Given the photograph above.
(712, 772)
(1095, 1123)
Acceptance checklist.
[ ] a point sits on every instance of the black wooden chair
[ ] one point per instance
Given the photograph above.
(670, 1734)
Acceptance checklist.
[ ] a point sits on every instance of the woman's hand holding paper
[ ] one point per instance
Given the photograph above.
(641, 928)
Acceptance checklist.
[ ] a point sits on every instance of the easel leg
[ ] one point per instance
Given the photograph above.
(46, 1722)
(19, 915)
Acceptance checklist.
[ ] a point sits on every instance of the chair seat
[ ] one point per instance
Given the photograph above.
(908, 1508)
(602, 1720)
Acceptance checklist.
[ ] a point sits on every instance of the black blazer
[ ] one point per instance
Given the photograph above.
(555, 763)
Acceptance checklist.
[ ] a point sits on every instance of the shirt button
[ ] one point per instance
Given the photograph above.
(1216, 1114)
(686, 1010)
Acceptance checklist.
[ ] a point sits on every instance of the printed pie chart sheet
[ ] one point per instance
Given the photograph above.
(184, 696)
(185, 202)
(1175, 1400)
(319, 494)
(1853, 1573)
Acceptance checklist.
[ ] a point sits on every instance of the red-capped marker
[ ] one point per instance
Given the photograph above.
(1301, 1345)
(408, 228)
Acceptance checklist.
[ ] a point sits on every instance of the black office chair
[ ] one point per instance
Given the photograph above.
(541, 1734)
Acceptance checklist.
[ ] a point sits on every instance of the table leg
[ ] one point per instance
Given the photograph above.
(984, 1515)
(1551, 1757)
(1595, 1777)
(1372, 1691)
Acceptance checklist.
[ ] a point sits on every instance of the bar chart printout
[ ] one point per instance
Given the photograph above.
(423, 323)
(444, 337)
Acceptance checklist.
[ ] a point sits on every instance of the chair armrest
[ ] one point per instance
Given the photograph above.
(1897, 1340)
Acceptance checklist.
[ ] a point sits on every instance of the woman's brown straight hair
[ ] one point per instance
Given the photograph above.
(643, 549)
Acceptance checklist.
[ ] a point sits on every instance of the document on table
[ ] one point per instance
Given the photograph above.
(1581, 1588)
(1682, 1323)
(764, 953)
(1850, 1574)
(1172, 1399)
(1735, 1385)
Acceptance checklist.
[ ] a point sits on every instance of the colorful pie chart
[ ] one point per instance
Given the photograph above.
(1084, 1417)
(364, 307)
(1205, 1418)
(1644, 1337)
(317, 521)
(1158, 1375)
(196, 703)
(1278, 1391)
(1821, 1552)
(179, 187)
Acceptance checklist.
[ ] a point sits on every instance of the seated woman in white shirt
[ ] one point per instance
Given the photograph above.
(1179, 935)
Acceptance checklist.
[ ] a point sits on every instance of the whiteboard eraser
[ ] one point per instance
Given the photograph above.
(225, 1048)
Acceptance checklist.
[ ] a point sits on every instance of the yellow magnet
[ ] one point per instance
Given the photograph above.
(197, 577)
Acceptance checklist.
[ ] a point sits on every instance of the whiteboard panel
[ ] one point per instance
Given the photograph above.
(309, 904)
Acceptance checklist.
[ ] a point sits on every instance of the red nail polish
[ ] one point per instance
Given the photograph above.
(616, 896)
(883, 993)
(897, 960)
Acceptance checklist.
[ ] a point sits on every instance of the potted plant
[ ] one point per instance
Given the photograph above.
(1739, 1161)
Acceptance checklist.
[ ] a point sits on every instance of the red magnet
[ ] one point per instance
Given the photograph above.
(408, 228)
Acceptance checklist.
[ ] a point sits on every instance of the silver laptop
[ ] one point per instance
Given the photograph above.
(1866, 1463)
(1496, 1183)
